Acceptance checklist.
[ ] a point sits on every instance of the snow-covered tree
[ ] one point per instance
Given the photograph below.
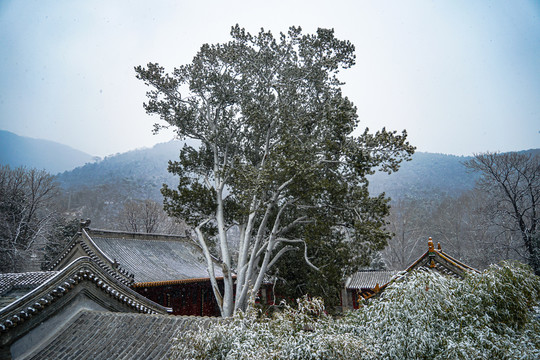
(276, 156)
(25, 213)
(147, 216)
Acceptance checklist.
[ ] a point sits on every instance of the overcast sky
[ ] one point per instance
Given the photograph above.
(461, 76)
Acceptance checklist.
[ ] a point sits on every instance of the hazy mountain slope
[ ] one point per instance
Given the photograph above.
(429, 174)
(425, 174)
(139, 174)
(98, 191)
(17, 151)
(135, 174)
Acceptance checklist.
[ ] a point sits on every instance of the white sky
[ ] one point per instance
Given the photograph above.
(460, 76)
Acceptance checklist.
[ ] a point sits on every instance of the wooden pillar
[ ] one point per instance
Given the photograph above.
(344, 299)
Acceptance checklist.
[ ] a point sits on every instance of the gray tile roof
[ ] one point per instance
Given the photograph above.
(82, 277)
(369, 279)
(15, 285)
(27, 280)
(153, 260)
(107, 335)
(433, 259)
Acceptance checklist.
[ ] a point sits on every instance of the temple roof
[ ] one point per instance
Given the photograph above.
(433, 259)
(27, 280)
(81, 285)
(369, 279)
(151, 260)
(107, 335)
(139, 258)
(437, 260)
(16, 285)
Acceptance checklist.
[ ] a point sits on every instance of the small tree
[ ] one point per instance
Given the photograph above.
(25, 199)
(513, 181)
(408, 223)
(61, 232)
(276, 158)
(141, 216)
(147, 217)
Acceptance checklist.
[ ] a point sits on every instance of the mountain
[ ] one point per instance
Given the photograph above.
(428, 175)
(424, 175)
(139, 174)
(99, 190)
(136, 174)
(53, 157)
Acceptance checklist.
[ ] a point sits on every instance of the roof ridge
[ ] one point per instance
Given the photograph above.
(29, 272)
(83, 269)
(119, 314)
(456, 261)
(136, 235)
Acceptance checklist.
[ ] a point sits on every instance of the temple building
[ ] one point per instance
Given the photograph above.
(107, 295)
(366, 284)
(169, 270)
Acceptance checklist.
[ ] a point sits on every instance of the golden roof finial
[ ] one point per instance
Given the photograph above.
(430, 245)
(439, 246)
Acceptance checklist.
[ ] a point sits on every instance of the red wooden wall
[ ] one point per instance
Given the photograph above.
(196, 298)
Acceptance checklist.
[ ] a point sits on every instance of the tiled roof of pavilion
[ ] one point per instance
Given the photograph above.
(16, 285)
(107, 335)
(26, 321)
(55, 288)
(434, 260)
(368, 279)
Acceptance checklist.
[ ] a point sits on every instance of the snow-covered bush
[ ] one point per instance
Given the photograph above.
(425, 315)
(428, 315)
(304, 332)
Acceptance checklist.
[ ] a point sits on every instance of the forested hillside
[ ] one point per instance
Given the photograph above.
(145, 168)
(142, 172)
(426, 174)
(437, 196)
(99, 190)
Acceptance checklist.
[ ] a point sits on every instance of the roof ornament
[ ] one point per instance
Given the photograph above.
(430, 245)
(439, 246)
(431, 253)
(84, 224)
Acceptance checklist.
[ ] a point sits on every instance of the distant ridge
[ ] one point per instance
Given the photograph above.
(41, 154)
(428, 174)
(137, 174)
(425, 174)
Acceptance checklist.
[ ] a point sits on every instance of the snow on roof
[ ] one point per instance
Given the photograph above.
(27, 280)
(108, 335)
(368, 279)
(153, 258)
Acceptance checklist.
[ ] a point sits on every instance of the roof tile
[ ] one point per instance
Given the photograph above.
(155, 260)
(107, 335)
(369, 279)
